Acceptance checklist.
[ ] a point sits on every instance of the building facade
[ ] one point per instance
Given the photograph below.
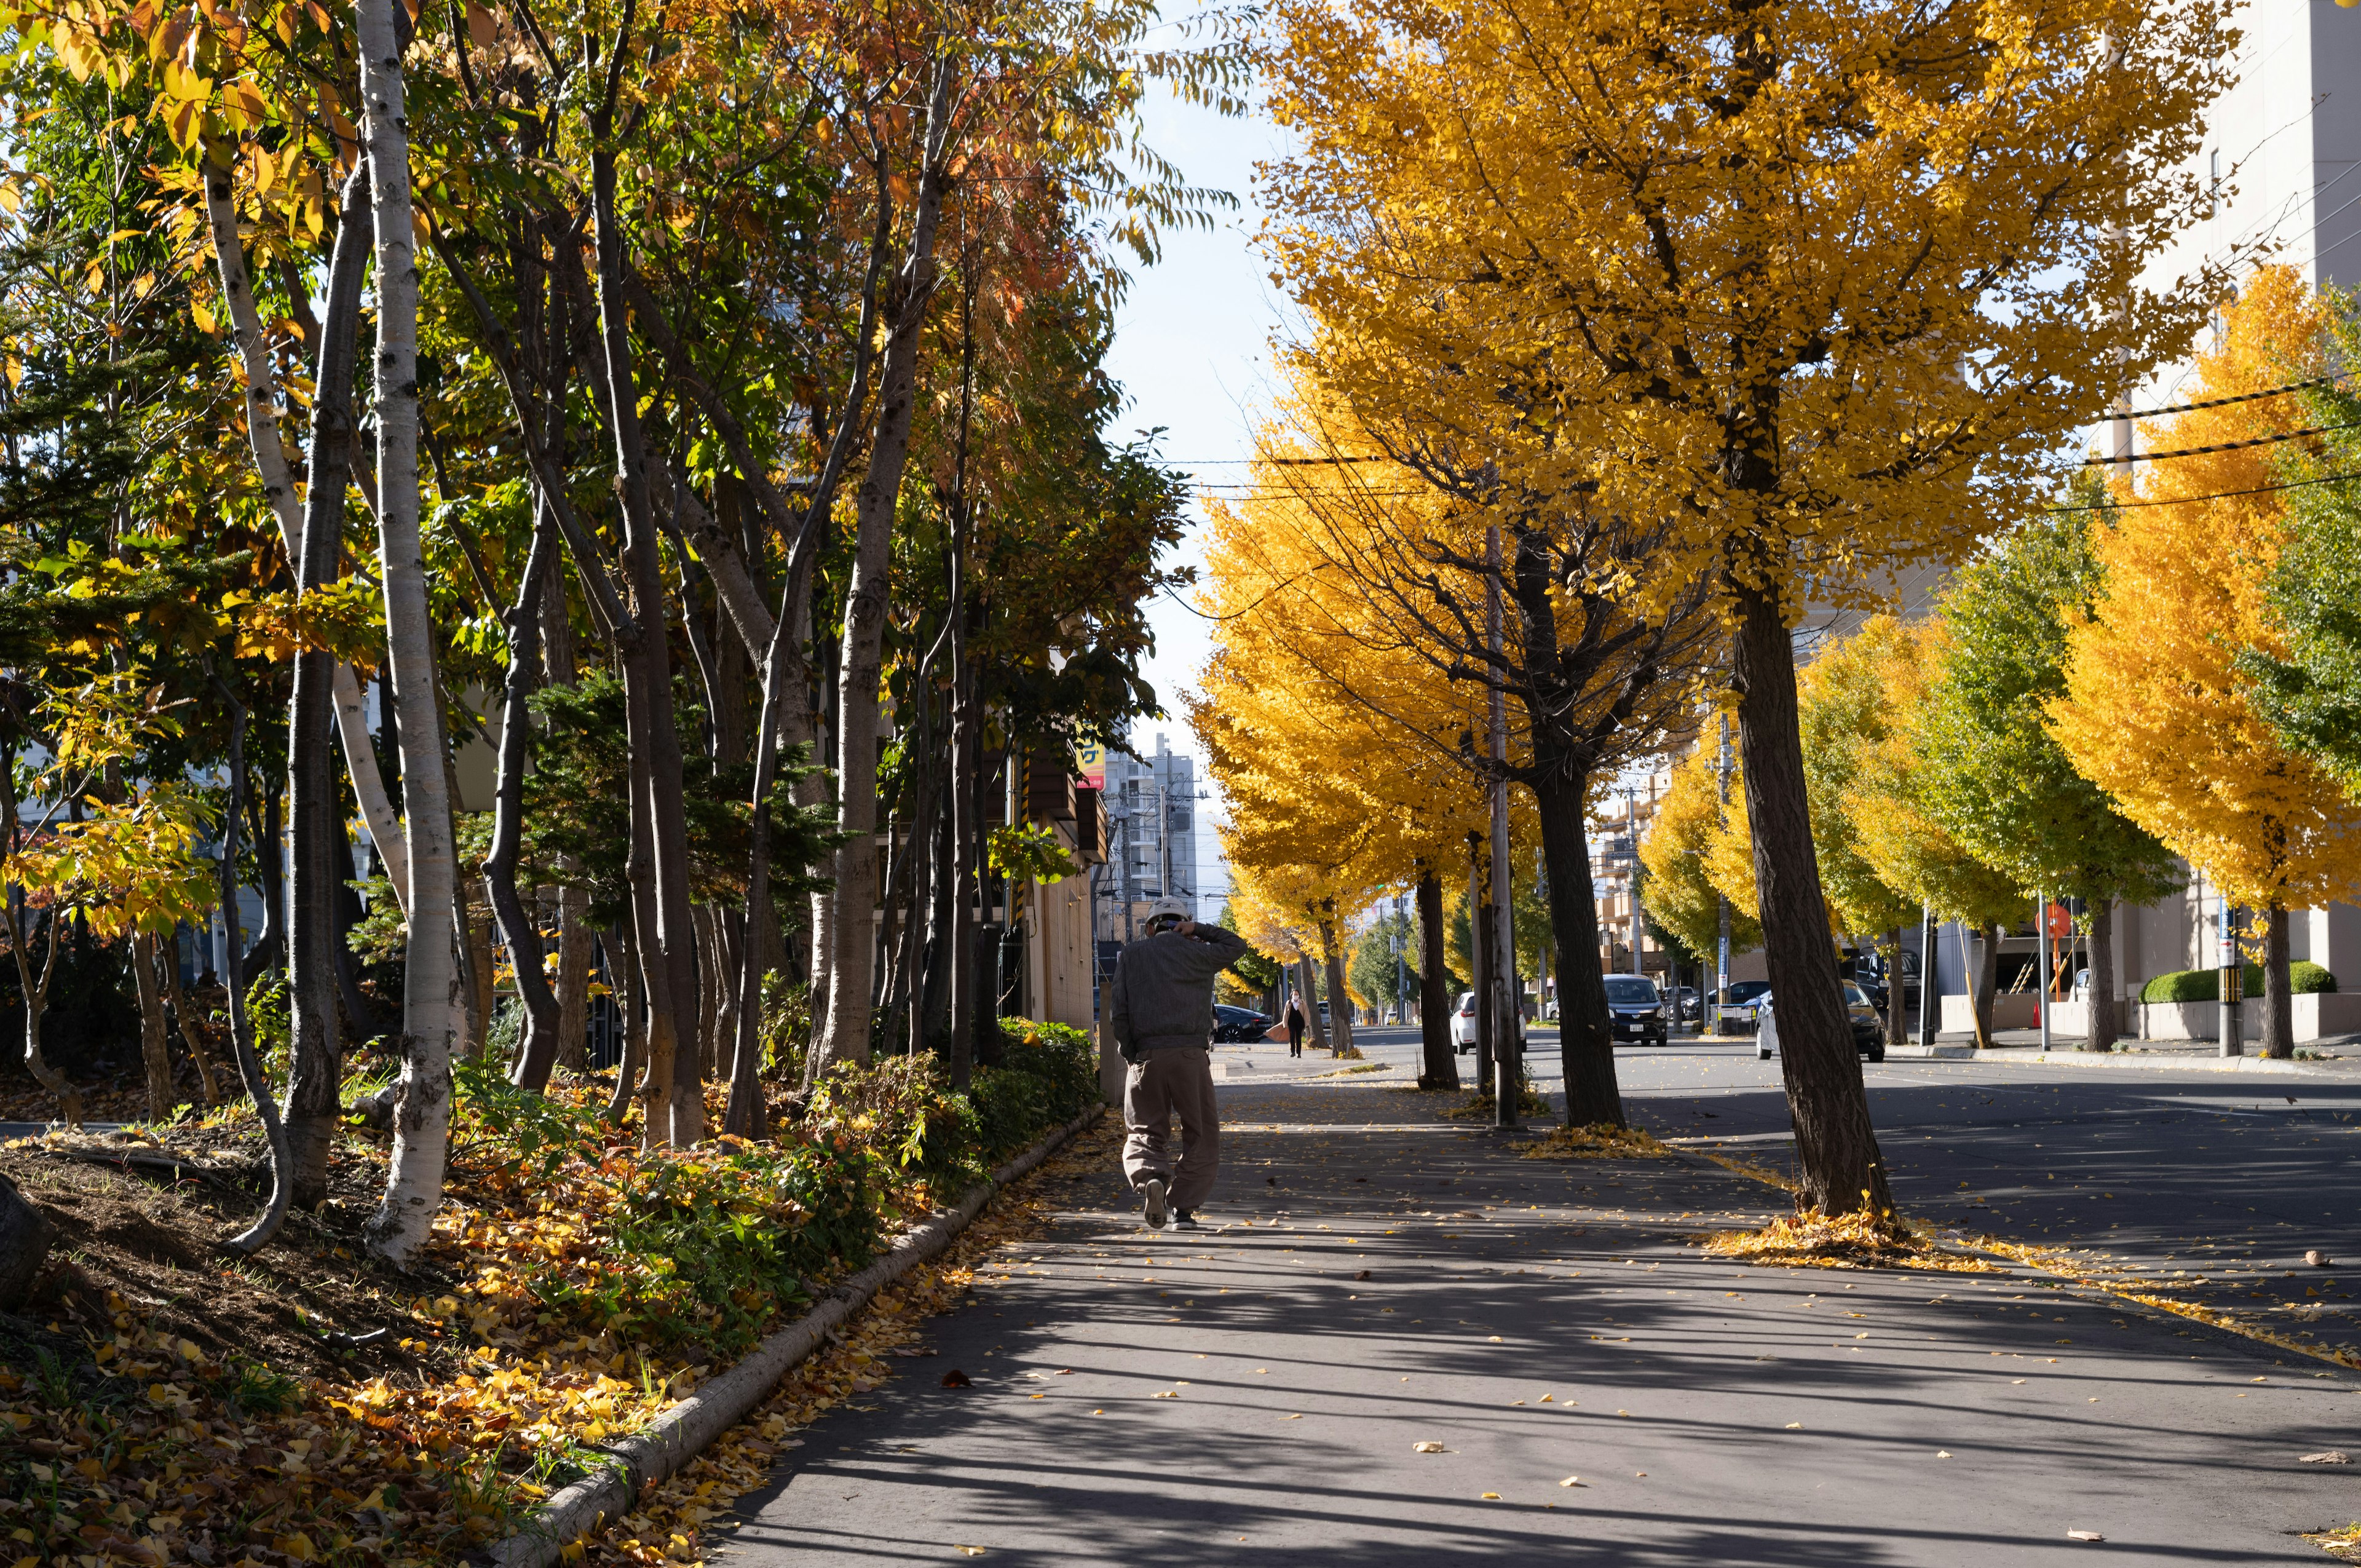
(1153, 805)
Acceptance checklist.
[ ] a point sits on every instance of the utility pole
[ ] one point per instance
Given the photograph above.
(1631, 867)
(2042, 904)
(1506, 1033)
(1721, 955)
(1401, 964)
(2233, 981)
(1163, 839)
(1930, 1003)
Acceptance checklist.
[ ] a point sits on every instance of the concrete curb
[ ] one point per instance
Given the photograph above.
(688, 1428)
(2170, 1062)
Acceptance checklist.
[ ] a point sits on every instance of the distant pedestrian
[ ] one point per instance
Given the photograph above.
(1294, 1028)
(1162, 1019)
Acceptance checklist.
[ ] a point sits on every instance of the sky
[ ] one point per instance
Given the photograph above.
(1191, 348)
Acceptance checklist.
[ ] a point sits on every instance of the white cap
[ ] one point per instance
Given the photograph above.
(1167, 908)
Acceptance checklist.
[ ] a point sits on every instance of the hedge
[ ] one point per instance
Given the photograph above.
(2205, 984)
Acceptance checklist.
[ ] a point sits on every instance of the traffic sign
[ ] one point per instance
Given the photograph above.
(2062, 924)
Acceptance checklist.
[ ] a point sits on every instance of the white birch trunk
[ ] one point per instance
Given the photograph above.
(421, 1121)
(278, 488)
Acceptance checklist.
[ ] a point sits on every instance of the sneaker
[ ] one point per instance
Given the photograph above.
(1185, 1220)
(1152, 1213)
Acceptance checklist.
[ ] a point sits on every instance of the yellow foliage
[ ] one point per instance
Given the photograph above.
(2156, 711)
(1336, 743)
(1685, 856)
(1603, 1140)
(126, 866)
(1723, 263)
(1858, 1240)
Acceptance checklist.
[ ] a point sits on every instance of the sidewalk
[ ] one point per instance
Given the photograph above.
(1382, 1278)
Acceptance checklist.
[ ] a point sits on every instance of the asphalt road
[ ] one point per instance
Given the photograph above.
(1382, 1278)
(2207, 1186)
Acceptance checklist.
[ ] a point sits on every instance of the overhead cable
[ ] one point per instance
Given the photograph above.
(2219, 445)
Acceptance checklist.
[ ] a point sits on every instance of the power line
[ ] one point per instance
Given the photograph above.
(2224, 402)
(2220, 445)
(2216, 496)
(1275, 462)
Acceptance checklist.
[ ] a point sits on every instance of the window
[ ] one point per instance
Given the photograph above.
(1631, 991)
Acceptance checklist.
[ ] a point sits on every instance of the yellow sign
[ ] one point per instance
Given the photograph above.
(1090, 765)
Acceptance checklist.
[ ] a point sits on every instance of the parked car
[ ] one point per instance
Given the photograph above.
(1636, 1009)
(1739, 1000)
(1868, 1028)
(1463, 1022)
(1232, 1023)
(1683, 1001)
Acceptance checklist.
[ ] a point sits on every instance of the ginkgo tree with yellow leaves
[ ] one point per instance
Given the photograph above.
(1366, 569)
(1814, 285)
(2158, 709)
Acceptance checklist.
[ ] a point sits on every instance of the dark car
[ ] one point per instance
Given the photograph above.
(1235, 1023)
(1636, 1010)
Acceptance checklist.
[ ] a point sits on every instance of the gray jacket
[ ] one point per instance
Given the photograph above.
(1164, 989)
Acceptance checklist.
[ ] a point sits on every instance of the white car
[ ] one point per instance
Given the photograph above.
(1463, 1022)
(1867, 1031)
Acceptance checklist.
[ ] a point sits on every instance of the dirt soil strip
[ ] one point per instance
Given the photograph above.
(688, 1428)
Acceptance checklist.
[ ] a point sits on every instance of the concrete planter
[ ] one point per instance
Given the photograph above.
(2316, 1014)
(2010, 1010)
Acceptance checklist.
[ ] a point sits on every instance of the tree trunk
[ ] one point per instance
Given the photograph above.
(422, 1123)
(2103, 1027)
(845, 1036)
(1586, 1030)
(155, 1043)
(1986, 985)
(22, 923)
(574, 957)
(709, 1065)
(624, 972)
(576, 940)
(279, 489)
(966, 839)
(542, 1024)
(25, 1240)
(193, 1030)
(676, 1098)
(1839, 1167)
(1442, 1059)
(269, 949)
(1340, 1000)
(1309, 986)
(2278, 1000)
(316, 1074)
(241, 1031)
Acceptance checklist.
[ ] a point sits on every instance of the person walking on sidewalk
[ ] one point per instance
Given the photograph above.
(1294, 1028)
(1162, 1019)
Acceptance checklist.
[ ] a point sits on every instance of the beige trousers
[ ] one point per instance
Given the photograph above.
(1176, 1081)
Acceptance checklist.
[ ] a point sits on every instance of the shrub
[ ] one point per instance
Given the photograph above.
(902, 1107)
(707, 1245)
(2304, 979)
(1048, 1075)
